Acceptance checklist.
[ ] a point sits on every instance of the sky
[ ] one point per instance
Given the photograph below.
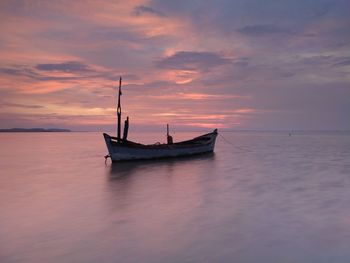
(197, 65)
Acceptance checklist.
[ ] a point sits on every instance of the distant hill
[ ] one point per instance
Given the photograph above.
(34, 130)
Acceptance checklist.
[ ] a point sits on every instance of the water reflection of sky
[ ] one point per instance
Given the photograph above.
(269, 197)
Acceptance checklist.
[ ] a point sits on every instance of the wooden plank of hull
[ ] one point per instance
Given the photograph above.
(133, 151)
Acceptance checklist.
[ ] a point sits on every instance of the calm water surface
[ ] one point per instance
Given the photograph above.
(269, 197)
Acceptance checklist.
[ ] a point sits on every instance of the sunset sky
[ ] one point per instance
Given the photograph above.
(227, 64)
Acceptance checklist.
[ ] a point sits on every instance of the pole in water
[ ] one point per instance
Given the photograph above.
(119, 110)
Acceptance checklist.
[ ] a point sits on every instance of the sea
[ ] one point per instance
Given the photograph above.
(261, 197)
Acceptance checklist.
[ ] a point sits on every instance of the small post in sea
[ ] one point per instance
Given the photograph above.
(119, 110)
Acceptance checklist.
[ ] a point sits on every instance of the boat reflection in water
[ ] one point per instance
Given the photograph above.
(122, 170)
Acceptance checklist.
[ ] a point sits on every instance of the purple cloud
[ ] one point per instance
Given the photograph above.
(70, 66)
(343, 62)
(263, 30)
(142, 9)
(189, 60)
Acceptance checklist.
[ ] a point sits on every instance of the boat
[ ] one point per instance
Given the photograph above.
(122, 149)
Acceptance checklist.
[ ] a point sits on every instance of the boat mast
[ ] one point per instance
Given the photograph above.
(168, 137)
(119, 110)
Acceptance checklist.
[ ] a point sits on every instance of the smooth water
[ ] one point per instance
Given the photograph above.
(269, 197)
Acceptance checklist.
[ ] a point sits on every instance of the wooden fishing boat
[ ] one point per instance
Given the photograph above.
(128, 150)
(121, 149)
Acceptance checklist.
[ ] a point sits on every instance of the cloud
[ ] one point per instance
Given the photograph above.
(270, 55)
(195, 96)
(263, 30)
(19, 70)
(343, 62)
(70, 66)
(326, 60)
(28, 72)
(17, 105)
(142, 9)
(65, 71)
(323, 8)
(189, 60)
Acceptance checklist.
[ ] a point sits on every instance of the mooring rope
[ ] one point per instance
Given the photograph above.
(242, 149)
(106, 157)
